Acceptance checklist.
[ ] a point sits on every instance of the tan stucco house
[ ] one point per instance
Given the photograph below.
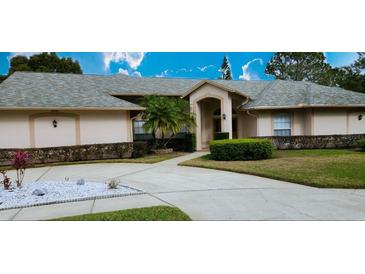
(51, 109)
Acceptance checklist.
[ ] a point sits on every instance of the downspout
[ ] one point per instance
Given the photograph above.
(247, 111)
(257, 121)
(243, 103)
(136, 116)
(253, 115)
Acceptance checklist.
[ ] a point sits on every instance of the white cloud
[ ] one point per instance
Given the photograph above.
(205, 68)
(126, 72)
(136, 74)
(168, 72)
(123, 71)
(184, 70)
(163, 74)
(133, 59)
(246, 75)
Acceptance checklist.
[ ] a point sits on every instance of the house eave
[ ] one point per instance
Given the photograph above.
(72, 108)
(304, 106)
(144, 94)
(203, 82)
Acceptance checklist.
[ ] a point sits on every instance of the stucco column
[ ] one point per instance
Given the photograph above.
(227, 111)
(196, 109)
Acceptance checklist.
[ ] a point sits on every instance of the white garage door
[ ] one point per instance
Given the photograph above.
(55, 131)
(357, 123)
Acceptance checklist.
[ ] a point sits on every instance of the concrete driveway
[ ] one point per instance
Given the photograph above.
(203, 194)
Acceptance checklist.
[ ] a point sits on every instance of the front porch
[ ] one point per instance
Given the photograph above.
(217, 109)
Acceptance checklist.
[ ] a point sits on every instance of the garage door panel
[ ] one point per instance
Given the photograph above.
(49, 135)
(357, 123)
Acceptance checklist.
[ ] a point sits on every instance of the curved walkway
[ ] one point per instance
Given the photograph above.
(204, 194)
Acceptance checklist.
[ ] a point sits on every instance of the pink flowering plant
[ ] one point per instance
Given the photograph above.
(20, 162)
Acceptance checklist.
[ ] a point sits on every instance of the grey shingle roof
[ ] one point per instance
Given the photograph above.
(120, 84)
(250, 88)
(304, 94)
(47, 90)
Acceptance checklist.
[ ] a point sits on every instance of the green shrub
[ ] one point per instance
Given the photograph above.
(190, 142)
(139, 149)
(241, 149)
(361, 144)
(221, 135)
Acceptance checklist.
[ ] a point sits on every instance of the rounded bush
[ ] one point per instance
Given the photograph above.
(221, 135)
(241, 149)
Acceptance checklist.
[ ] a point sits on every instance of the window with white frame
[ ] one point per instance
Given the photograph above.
(138, 126)
(282, 124)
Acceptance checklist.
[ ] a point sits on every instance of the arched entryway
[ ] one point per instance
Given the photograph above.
(205, 99)
(211, 119)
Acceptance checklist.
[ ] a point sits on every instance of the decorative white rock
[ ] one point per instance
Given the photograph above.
(58, 191)
(39, 192)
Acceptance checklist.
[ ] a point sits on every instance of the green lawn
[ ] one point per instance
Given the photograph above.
(148, 159)
(327, 168)
(155, 213)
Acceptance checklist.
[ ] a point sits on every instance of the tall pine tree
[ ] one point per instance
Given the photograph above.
(226, 69)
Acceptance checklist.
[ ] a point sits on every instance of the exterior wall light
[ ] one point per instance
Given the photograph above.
(224, 116)
(54, 123)
(359, 117)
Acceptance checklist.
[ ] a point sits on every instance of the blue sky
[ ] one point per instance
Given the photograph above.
(245, 65)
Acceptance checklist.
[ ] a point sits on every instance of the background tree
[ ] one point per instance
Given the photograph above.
(226, 69)
(353, 77)
(301, 66)
(44, 62)
(165, 117)
(19, 63)
(2, 78)
(360, 62)
(67, 65)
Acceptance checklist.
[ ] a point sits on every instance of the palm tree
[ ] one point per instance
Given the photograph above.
(165, 117)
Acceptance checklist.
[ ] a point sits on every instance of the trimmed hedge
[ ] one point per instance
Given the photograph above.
(241, 149)
(221, 135)
(78, 153)
(316, 141)
(181, 142)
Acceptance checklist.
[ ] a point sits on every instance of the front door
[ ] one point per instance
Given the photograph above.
(217, 125)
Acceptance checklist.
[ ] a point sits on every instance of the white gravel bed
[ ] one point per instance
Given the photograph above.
(59, 191)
